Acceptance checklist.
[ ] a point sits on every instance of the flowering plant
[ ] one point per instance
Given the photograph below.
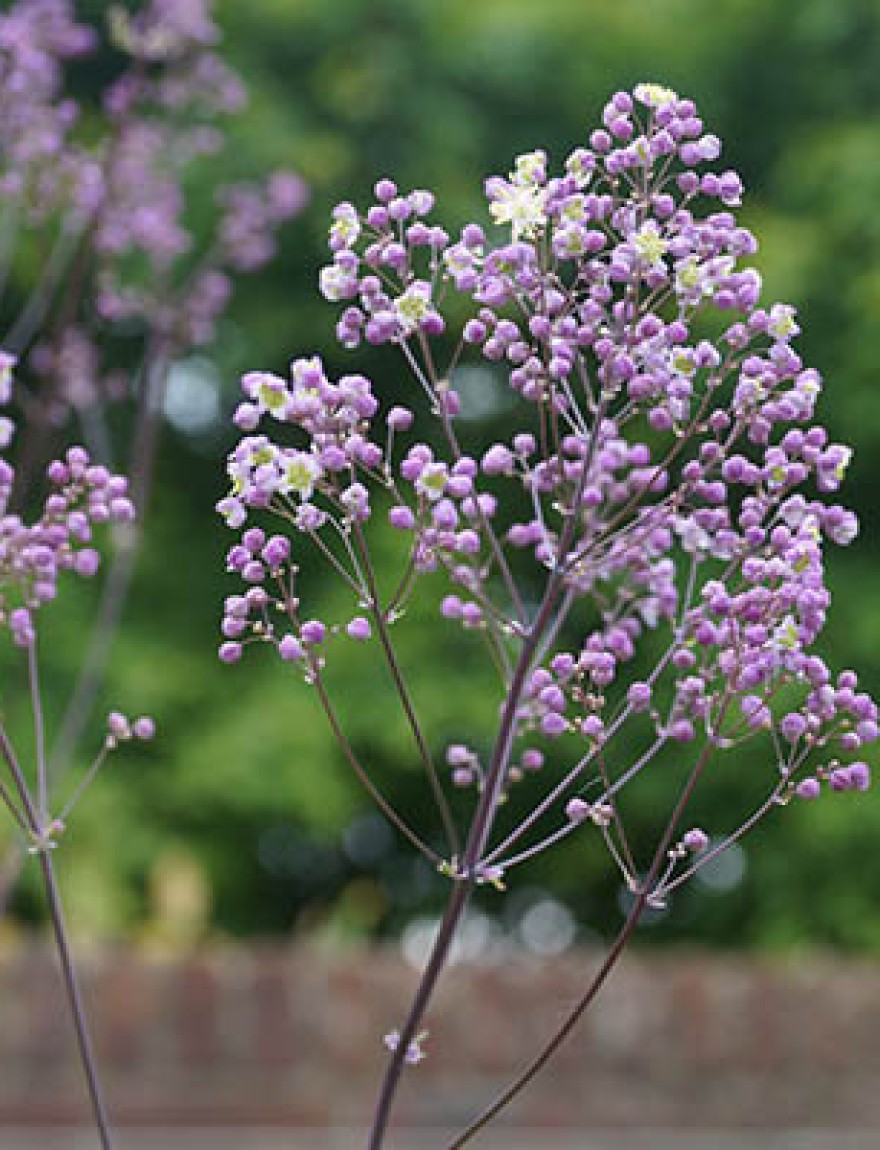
(125, 271)
(83, 497)
(98, 202)
(665, 490)
(128, 282)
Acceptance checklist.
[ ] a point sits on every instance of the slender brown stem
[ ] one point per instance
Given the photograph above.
(7, 798)
(557, 791)
(39, 731)
(15, 855)
(618, 818)
(611, 958)
(496, 775)
(74, 997)
(37, 308)
(454, 910)
(755, 817)
(535, 1067)
(480, 830)
(375, 794)
(60, 931)
(8, 751)
(406, 702)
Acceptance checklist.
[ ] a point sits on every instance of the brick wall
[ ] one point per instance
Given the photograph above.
(293, 1037)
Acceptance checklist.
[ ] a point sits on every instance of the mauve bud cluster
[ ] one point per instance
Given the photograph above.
(671, 482)
(121, 729)
(268, 610)
(82, 496)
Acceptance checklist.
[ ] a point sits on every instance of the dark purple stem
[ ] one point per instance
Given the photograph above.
(484, 817)
(58, 925)
(610, 961)
(403, 694)
(74, 997)
(477, 837)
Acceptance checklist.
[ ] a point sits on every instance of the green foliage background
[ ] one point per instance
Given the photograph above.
(242, 817)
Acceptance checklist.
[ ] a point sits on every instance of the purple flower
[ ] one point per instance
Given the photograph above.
(359, 628)
(695, 840)
(230, 652)
(313, 632)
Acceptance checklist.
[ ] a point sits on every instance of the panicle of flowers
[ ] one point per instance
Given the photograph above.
(127, 282)
(664, 472)
(124, 285)
(36, 40)
(82, 496)
(659, 482)
(114, 198)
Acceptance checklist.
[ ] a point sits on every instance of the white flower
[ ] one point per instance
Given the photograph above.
(521, 206)
(268, 391)
(682, 361)
(654, 95)
(530, 168)
(575, 208)
(337, 284)
(650, 245)
(432, 482)
(692, 278)
(782, 323)
(252, 454)
(301, 473)
(346, 226)
(579, 165)
(786, 637)
(414, 306)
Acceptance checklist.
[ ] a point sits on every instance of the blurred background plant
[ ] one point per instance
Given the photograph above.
(109, 283)
(247, 821)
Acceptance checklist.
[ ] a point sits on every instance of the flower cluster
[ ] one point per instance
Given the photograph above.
(36, 40)
(111, 283)
(675, 483)
(114, 197)
(120, 729)
(82, 496)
